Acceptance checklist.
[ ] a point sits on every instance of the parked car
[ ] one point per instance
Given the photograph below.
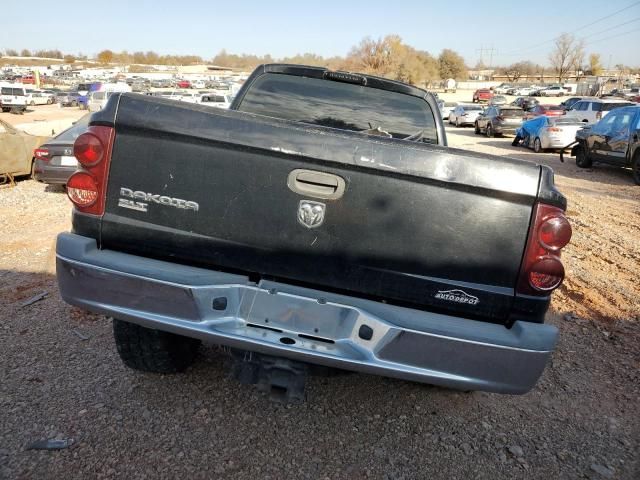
(13, 97)
(498, 100)
(570, 102)
(482, 95)
(198, 84)
(183, 84)
(594, 109)
(54, 159)
(84, 89)
(447, 108)
(98, 98)
(502, 89)
(613, 140)
(542, 133)
(16, 151)
(35, 97)
(464, 115)
(216, 100)
(67, 99)
(554, 91)
(550, 110)
(524, 91)
(498, 120)
(525, 103)
(172, 241)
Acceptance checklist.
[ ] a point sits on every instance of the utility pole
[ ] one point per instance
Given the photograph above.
(491, 50)
(481, 50)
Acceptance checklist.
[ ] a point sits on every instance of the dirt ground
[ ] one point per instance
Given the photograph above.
(62, 379)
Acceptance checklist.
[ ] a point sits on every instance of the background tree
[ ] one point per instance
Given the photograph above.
(452, 65)
(11, 52)
(105, 56)
(517, 70)
(595, 67)
(25, 53)
(69, 58)
(567, 55)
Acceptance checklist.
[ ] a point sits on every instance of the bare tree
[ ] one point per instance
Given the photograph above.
(568, 55)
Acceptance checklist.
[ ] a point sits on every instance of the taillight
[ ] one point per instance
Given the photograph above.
(82, 189)
(88, 149)
(542, 270)
(41, 154)
(86, 188)
(553, 129)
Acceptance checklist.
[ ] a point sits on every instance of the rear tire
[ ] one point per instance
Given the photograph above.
(488, 131)
(537, 145)
(457, 123)
(155, 351)
(476, 129)
(582, 159)
(635, 168)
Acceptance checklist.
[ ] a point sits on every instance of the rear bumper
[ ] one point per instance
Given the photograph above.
(318, 327)
(44, 172)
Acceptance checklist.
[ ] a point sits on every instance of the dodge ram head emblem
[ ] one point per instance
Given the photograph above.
(311, 214)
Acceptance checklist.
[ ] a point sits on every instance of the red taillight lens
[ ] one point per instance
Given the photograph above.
(41, 154)
(87, 188)
(88, 149)
(554, 233)
(82, 189)
(553, 129)
(541, 269)
(546, 274)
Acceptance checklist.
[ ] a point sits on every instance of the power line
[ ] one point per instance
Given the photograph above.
(611, 28)
(608, 16)
(614, 36)
(535, 47)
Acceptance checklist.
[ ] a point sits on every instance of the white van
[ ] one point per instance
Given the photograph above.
(98, 99)
(13, 96)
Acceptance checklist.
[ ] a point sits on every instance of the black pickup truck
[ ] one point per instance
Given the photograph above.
(322, 220)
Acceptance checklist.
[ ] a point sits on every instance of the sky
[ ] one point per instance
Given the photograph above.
(506, 31)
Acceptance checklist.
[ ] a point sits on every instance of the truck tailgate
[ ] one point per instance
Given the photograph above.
(424, 226)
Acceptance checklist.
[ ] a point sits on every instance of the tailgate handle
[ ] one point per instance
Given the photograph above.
(311, 183)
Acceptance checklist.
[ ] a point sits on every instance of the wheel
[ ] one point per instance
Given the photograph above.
(32, 104)
(152, 350)
(74, 104)
(561, 94)
(488, 131)
(450, 122)
(476, 130)
(5, 110)
(635, 168)
(50, 101)
(582, 159)
(537, 145)
(457, 123)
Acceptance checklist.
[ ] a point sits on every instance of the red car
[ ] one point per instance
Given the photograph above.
(548, 110)
(184, 84)
(482, 95)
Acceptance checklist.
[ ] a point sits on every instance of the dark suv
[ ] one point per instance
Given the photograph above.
(613, 140)
(498, 120)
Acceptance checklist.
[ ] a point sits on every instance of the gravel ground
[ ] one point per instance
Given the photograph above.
(62, 379)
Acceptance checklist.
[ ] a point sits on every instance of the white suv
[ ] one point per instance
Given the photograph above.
(13, 97)
(590, 110)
